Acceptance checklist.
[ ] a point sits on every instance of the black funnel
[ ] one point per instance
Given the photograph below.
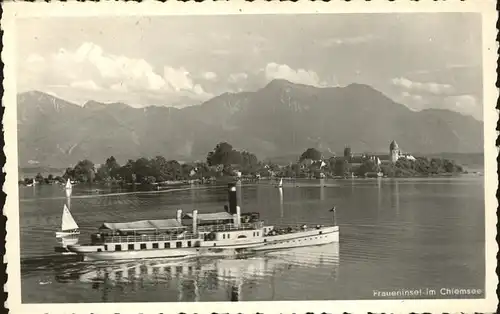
(233, 198)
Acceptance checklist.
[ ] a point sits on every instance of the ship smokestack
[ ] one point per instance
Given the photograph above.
(237, 217)
(195, 221)
(233, 198)
(179, 216)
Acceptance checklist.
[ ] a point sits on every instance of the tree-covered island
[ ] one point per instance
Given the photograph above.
(225, 161)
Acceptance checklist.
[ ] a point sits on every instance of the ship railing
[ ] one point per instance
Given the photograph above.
(150, 238)
(308, 224)
(286, 228)
(230, 227)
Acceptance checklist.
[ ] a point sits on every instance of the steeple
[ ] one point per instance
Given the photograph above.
(347, 151)
(394, 151)
(393, 146)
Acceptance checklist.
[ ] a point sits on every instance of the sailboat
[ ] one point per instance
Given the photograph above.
(280, 184)
(68, 225)
(63, 245)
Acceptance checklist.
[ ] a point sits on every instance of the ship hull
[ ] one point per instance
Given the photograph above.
(64, 234)
(63, 250)
(300, 239)
(91, 254)
(127, 255)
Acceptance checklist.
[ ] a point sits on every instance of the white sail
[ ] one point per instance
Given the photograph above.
(68, 223)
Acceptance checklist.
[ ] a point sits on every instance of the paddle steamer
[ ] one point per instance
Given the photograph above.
(229, 232)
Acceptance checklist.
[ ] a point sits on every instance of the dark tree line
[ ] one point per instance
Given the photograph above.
(224, 160)
(143, 170)
(421, 166)
(228, 159)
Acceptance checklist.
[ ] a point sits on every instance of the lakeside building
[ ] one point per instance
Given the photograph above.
(306, 163)
(356, 160)
(395, 153)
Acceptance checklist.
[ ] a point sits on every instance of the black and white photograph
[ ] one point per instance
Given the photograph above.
(183, 158)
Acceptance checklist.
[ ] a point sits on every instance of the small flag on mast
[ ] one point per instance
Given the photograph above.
(334, 215)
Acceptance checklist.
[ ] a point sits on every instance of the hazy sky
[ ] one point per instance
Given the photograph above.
(421, 60)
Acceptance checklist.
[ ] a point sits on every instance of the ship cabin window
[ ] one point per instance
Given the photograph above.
(167, 245)
(228, 235)
(99, 250)
(197, 244)
(223, 235)
(189, 243)
(105, 248)
(321, 232)
(118, 247)
(155, 245)
(178, 269)
(131, 247)
(242, 236)
(143, 246)
(257, 233)
(178, 244)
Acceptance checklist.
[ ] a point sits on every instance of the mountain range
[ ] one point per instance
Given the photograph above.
(279, 119)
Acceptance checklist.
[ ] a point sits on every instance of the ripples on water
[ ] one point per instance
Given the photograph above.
(184, 280)
(395, 234)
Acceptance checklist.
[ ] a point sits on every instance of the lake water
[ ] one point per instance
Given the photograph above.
(394, 234)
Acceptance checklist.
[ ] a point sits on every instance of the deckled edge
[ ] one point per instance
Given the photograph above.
(497, 144)
(3, 195)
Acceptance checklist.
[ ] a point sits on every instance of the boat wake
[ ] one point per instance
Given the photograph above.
(119, 194)
(42, 283)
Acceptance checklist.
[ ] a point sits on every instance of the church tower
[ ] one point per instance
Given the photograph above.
(347, 153)
(394, 151)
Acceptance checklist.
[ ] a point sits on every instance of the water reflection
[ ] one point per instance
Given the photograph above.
(193, 192)
(322, 189)
(379, 193)
(196, 277)
(395, 196)
(282, 211)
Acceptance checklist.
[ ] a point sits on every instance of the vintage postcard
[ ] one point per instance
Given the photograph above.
(250, 157)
